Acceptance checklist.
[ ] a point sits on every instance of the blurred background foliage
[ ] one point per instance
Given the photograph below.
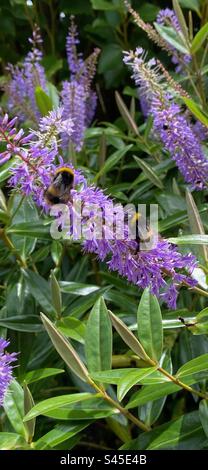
(101, 23)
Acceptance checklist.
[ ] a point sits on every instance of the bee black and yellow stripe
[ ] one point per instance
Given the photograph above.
(59, 190)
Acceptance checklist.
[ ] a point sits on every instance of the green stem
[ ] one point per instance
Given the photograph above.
(199, 291)
(182, 384)
(12, 248)
(199, 80)
(117, 405)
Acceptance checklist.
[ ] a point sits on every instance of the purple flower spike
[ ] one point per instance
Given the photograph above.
(6, 367)
(170, 123)
(167, 17)
(23, 81)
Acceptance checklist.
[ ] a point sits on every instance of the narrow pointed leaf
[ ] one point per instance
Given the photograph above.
(149, 320)
(203, 414)
(126, 114)
(149, 172)
(98, 339)
(11, 441)
(172, 37)
(56, 402)
(132, 378)
(40, 374)
(56, 294)
(28, 404)
(65, 350)
(185, 433)
(198, 364)
(128, 337)
(43, 101)
(14, 407)
(154, 392)
(195, 222)
(199, 39)
(112, 161)
(189, 240)
(94, 408)
(181, 19)
(59, 434)
(196, 111)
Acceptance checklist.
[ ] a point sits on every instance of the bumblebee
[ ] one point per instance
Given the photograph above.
(139, 237)
(59, 190)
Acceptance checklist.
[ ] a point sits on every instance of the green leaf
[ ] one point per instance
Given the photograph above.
(111, 376)
(11, 441)
(43, 101)
(185, 433)
(28, 404)
(151, 411)
(33, 230)
(172, 221)
(181, 19)
(83, 304)
(172, 37)
(77, 288)
(65, 350)
(56, 295)
(149, 172)
(126, 114)
(190, 240)
(203, 415)
(98, 339)
(29, 323)
(59, 434)
(56, 252)
(93, 409)
(195, 222)
(196, 111)
(112, 161)
(128, 337)
(115, 375)
(39, 374)
(23, 211)
(3, 203)
(52, 90)
(40, 289)
(149, 320)
(191, 5)
(151, 393)
(198, 364)
(199, 39)
(72, 328)
(56, 402)
(14, 407)
(5, 172)
(132, 378)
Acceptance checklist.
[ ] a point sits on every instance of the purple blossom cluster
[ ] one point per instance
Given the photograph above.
(181, 142)
(171, 125)
(167, 17)
(163, 269)
(23, 82)
(78, 99)
(6, 367)
(35, 153)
